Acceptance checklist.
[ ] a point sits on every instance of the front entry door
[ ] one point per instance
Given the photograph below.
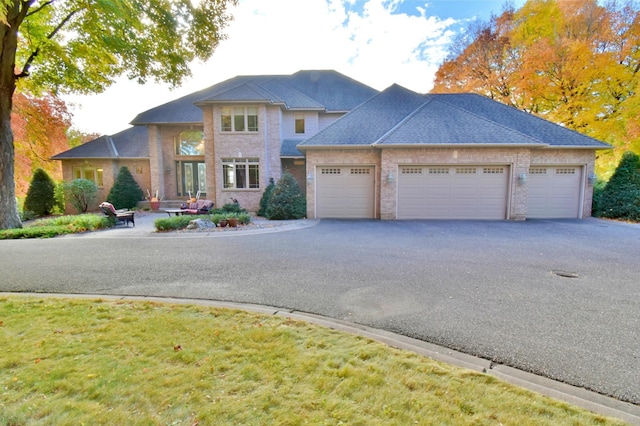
(193, 178)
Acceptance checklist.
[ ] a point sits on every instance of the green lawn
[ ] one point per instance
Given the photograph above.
(106, 362)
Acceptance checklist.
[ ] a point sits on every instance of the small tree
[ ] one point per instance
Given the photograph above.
(266, 195)
(287, 200)
(40, 196)
(81, 193)
(125, 192)
(620, 198)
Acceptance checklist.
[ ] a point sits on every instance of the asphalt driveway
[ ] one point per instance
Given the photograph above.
(556, 298)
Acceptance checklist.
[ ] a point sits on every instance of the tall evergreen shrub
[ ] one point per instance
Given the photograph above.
(287, 200)
(125, 192)
(266, 195)
(620, 198)
(40, 196)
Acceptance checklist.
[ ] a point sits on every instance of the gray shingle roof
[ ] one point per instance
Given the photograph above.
(321, 90)
(289, 148)
(398, 116)
(130, 143)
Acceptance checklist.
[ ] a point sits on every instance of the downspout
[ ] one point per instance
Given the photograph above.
(267, 147)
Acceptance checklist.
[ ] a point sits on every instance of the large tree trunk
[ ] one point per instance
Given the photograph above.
(9, 217)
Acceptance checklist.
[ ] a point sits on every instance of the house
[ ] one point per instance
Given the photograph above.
(360, 153)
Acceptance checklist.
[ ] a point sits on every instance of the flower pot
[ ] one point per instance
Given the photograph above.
(233, 222)
(155, 205)
(222, 223)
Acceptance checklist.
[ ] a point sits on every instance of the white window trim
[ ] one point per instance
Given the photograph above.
(231, 111)
(236, 163)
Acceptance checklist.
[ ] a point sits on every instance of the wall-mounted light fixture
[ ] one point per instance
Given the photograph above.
(522, 178)
(390, 178)
(310, 177)
(592, 178)
(167, 170)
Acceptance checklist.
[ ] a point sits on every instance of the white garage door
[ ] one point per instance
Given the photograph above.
(452, 192)
(553, 192)
(345, 192)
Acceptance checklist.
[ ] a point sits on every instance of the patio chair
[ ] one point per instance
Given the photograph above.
(120, 216)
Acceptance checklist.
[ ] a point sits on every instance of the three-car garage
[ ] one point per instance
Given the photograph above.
(462, 191)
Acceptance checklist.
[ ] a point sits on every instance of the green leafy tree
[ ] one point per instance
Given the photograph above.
(266, 195)
(620, 198)
(40, 197)
(80, 46)
(81, 193)
(287, 200)
(125, 192)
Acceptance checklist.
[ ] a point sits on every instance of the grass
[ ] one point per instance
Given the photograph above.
(54, 226)
(111, 362)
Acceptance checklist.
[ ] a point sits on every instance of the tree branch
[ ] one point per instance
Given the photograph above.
(45, 4)
(56, 30)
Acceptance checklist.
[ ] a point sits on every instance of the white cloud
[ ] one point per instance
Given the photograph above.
(377, 45)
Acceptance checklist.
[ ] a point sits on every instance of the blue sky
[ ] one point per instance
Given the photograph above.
(378, 42)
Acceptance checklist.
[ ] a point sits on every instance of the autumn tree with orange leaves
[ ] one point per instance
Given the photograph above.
(576, 63)
(40, 128)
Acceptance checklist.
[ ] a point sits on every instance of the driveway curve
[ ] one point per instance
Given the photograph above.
(558, 298)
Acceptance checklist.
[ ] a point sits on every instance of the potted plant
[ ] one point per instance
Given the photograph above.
(233, 221)
(154, 201)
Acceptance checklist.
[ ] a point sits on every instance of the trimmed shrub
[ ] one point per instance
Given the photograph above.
(52, 227)
(231, 208)
(620, 198)
(287, 200)
(40, 196)
(125, 192)
(58, 195)
(173, 223)
(266, 195)
(81, 193)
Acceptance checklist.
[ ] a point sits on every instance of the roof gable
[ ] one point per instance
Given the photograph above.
(319, 90)
(371, 120)
(398, 116)
(130, 143)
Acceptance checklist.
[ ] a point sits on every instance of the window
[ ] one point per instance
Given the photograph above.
(239, 119)
(299, 123)
(90, 173)
(190, 142)
(241, 173)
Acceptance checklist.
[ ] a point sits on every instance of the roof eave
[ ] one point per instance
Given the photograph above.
(167, 123)
(461, 145)
(325, 147)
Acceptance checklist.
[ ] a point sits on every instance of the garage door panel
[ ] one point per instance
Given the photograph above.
(554, 192)
(452, 192)
(345, 192)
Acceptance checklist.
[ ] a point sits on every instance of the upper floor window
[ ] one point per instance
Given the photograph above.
(299, 123)
(241, 173)
(91, 173)
(239, 119)
(190, 142)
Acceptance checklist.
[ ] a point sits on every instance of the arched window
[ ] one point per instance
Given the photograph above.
(190, 142)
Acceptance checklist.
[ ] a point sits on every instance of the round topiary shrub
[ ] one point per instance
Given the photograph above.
(287, 200)
(81, 193)
(40, 196)
(620, 198)
(125, 192)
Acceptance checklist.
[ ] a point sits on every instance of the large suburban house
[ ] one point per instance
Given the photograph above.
(356, 152)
